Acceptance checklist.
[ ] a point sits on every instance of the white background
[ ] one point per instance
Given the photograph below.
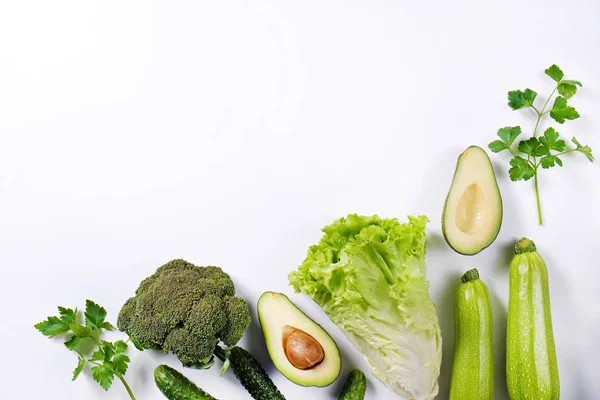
(230, 132)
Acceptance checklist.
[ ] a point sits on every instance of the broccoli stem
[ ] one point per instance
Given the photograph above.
(221, 354)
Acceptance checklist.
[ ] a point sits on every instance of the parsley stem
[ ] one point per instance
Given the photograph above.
(118, 375)
(565, 152)
(96, 341)
(537, 196)
(125, 384)
(537, 124)
(548, 100)
(536, 165)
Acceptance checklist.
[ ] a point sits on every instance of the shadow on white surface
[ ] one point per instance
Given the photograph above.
(445, 307)
(499, 343)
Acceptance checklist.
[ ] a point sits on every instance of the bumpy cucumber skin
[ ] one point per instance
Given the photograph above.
(531, 365)
(473, 362)
(252, 376)
(355, 386)
(175, 386)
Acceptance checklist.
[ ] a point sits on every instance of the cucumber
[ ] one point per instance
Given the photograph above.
(473, 362)
(531, 366)
(175, 386)
(249, 372)
(355, 386)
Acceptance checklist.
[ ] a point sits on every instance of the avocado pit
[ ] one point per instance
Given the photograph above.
(301, 349)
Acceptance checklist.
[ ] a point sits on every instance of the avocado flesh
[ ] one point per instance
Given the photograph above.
(277, 314)
(473, 209)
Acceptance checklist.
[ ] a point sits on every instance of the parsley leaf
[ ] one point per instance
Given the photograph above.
(108, 349)
(73, 342)
(572, 82)
(551, 142)
(80, 330)
(52, 327)
(67, 315)
(545, 150)
(120, 363)
(120, 347)
(79, 368)
(108, 326)
(94, 315)
(109, 358)
(531, 147)
(103, 375)
(586, 150)
(521, 169)
(137, 344)
(555, 73)
(568, 88)
(507, 135)
(561, 111)
(98, 355)
(518, 98)
(497, 146)
(550, 161)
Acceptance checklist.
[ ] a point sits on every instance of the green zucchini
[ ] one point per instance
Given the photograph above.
(175, 386)
(355, 386)
(531, 366)
(250, 374)
(473, 362)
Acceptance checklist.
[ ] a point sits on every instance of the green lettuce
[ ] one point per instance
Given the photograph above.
(368, 275)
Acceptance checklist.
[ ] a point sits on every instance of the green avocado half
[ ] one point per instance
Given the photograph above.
(473, 209)
(300, 349)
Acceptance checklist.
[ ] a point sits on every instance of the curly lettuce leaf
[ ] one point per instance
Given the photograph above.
(368, 275)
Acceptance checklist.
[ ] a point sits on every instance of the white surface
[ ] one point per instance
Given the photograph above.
(230, 132)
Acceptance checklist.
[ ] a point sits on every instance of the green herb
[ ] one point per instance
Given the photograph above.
(540, 151)
(108, 359)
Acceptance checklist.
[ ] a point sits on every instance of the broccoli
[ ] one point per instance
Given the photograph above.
(186, 310)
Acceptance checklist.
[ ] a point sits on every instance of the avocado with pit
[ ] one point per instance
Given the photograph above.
(299, 347)
(473, 209)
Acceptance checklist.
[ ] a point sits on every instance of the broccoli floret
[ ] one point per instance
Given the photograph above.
(238, 320)
(207, 317)
(186, 310)
(148, 330)
(126, 314)
(191, 349)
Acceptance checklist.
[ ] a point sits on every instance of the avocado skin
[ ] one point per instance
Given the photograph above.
(273, 340)
(501, 210)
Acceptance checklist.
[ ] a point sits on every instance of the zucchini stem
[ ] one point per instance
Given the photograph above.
(524, 245)
(470, 275)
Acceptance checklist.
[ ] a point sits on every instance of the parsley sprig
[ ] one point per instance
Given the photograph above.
(108, 360)
(540, 151)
